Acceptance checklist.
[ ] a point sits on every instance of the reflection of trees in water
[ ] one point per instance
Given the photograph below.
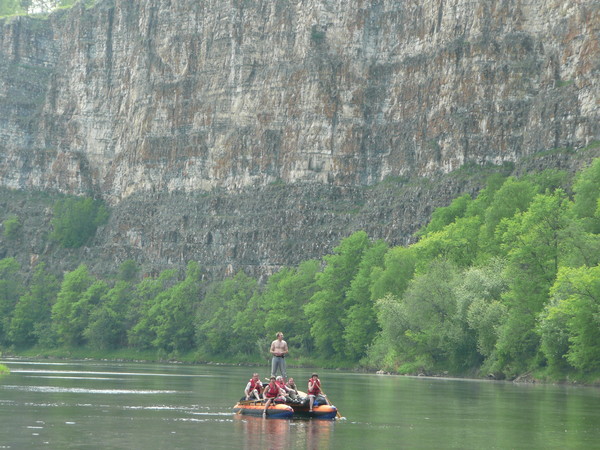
(282, 433)
(318, 433)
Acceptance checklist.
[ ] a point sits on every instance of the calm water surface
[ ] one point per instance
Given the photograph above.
(61, 405)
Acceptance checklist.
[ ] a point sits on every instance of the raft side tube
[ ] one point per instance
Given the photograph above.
(278, 411)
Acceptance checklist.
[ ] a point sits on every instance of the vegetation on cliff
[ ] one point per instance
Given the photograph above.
(20, 7)
(76, 219)
(502, 284)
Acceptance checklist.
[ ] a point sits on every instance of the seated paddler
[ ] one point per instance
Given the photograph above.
(254, 388)
(272, 393)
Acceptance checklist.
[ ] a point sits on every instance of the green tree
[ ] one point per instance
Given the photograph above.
(107, 324)
(360, 323)
(586, 204)
(280, 308)
(548, 180)
(570, 324)
(398, 269)
(217, 314)
(485, 196)
(445, 215)
(143, 308)
(457, 242)
(32, 315)
(512, 197)
(534, 241)
(128, 270)
(10, 290)
(174, 319)
(435, 336)
(76, 219)
(69, 313)
(325, 311)
(479, 299)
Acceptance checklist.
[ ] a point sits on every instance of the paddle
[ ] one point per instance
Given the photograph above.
(250, 402)
(337, 413)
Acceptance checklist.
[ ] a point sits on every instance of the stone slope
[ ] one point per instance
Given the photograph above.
(148, 101)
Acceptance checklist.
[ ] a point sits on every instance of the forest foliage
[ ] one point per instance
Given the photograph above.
(504, 284)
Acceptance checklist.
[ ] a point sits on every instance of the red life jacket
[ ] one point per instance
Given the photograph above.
(316, 387)
(255, 384)
(271, 391)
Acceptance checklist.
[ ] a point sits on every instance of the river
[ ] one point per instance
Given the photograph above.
(112, 405)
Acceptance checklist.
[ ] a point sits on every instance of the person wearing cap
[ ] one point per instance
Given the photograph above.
(314, 389)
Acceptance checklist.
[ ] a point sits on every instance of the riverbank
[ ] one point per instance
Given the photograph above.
(149, 356)
(185, 358)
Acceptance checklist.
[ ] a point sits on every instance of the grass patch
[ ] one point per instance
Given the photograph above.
(4, 370)
(591, 146)
(564, 83)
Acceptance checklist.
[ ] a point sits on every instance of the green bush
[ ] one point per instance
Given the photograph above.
(12, 227)
(76, 219)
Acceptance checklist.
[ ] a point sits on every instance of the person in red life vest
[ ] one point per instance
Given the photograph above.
(254, 387)
(314, 389)
(272, 393)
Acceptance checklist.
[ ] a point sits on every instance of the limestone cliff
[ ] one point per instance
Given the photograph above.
(139, 101)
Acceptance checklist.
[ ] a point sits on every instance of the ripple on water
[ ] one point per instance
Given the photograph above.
(54, 389)
(88, 372)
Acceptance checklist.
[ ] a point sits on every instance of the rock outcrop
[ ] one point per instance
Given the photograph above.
(162, 99)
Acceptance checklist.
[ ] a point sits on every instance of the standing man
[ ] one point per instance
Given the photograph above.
(279, 350)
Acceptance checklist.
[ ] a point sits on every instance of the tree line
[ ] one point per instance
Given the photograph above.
(504, 283)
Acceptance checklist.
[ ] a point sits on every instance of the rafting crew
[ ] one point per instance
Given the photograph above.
(280, 391)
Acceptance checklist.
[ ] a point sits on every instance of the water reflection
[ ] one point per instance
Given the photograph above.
(140, 405)
(274, 434)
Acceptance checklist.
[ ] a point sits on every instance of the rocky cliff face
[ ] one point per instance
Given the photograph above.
(142, 100)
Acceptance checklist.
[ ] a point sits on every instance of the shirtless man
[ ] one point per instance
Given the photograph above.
(279, 349)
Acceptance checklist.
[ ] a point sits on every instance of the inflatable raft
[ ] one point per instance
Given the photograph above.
(295, 409)
(318, 412)
(256, 408)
